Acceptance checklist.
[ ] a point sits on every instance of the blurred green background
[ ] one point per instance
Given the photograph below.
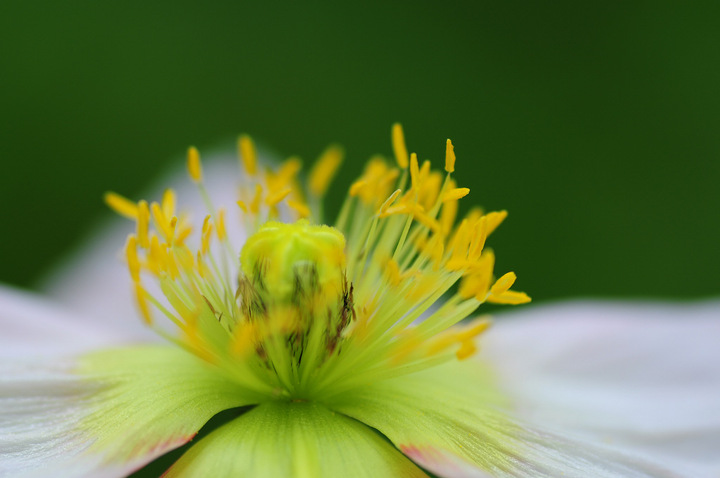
(595, 123)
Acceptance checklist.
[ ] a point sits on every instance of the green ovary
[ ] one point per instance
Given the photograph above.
(281, 257)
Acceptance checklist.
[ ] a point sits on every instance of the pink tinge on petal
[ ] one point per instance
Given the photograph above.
(426, 455)
(147, 455)
(440, 462)
(161, 447)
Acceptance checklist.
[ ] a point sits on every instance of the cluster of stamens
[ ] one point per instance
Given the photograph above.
(305, 310)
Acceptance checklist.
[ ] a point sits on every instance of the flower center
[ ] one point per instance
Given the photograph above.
(294, 263)
(310, 310)
(293, 285)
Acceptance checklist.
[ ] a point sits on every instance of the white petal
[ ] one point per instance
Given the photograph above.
(95, 279)
(35, 327)
(40, 407)
(452, 421)
(107, 413)
(643, 377)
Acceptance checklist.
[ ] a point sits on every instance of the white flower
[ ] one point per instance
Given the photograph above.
(578, 389)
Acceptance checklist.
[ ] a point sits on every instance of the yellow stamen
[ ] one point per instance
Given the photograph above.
(161, 222)
(435, 249)
(455, 194)
(220, 224)
(286, 174)
(246, 148)
(459, 245)
(448, 213)
(121, 205)
(193, 164)
(424, 171)
(324, 170)
(431, 184)
(173, 228)
(357, 186)
(408, 344)
(185, 257)
(132, 258)
(403, 207)
(468, 286)
(183, 233)
(477, 283)
(156, 256)
(389, 201)
(465, 336)
(206, 224)
(494, 219)
(414, 170)
(143, 222)
(503, 284)
(198, 343)
(302, 210)
(467, 349)
(398, 141)
(172, 266)
(201, 267)
(242, 341)
(255, 204)
(422, 285)
(276, 197)
(375, 183)
(206, 235)
(393, 271)
(243, 206)
(478, 240)
(449, 157)
(187, 313)
(426, 220)
(141, 298)
(475, 328)
(168, 203)
(474, 214)
(510, 297)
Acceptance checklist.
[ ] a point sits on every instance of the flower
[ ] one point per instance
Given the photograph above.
(326, 336)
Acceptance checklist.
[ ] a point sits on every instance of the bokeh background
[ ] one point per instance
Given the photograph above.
(595, 123)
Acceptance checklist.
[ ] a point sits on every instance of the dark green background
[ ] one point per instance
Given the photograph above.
(595, 123)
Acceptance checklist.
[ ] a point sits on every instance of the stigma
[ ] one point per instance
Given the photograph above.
(294, 262)
(297, 271)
